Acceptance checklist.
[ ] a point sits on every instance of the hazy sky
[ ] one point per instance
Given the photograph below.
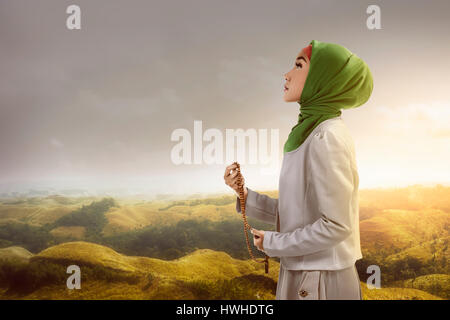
(95, 108)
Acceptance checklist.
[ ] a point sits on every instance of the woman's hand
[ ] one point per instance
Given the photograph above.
(231, 179)
(258, 238)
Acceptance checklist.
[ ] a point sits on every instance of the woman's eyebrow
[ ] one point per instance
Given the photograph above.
(301, 57)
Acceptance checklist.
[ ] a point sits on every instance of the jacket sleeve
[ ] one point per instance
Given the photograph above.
(259, 206)
(331, 183)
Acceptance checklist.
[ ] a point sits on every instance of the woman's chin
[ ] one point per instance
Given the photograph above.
(287, 98)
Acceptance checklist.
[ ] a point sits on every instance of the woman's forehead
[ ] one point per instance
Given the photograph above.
(303, 54)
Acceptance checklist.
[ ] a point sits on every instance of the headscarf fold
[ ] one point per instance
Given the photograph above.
(337, 79)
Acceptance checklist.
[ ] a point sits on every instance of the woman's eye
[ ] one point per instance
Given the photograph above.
(298, 65)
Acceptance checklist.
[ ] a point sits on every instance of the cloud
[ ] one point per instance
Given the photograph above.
(416, 118)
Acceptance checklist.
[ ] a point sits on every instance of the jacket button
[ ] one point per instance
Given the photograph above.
(303, 293)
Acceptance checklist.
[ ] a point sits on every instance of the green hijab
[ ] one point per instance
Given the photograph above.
(337, 79)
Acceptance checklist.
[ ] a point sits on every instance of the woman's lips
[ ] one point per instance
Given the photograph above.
(286, 88)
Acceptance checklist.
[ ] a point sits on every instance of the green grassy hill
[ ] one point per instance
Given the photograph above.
(436, 249)
(201, 264)
(106, 274)
(395, 293)
(203, 274)
(436, 284)
(392, 230)
(14, 255)
(405, 231)
(136, 216)
(39, 211)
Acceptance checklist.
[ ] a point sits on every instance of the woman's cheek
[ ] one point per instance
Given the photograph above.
(294, 94)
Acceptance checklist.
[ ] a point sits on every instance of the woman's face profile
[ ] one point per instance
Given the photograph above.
(295, 78)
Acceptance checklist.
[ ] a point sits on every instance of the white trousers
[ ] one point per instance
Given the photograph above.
(318, 284)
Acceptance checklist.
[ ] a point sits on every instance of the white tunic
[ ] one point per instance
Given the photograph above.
(317, 212)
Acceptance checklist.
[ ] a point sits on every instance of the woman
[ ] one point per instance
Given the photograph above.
(316, 214)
